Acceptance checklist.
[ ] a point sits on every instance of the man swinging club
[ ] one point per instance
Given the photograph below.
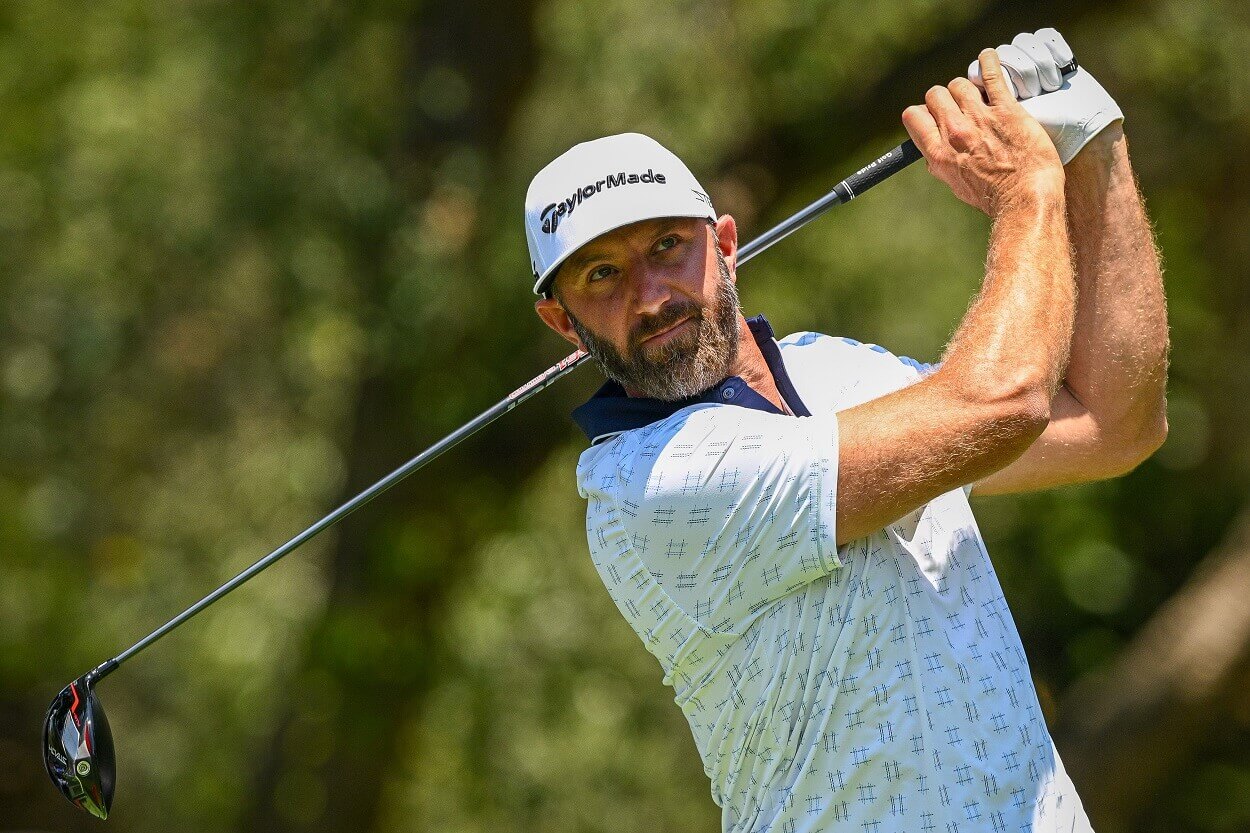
(785, 524)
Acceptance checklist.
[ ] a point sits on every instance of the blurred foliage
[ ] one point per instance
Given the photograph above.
(221, 223)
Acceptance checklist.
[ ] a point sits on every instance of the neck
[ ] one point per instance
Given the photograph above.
(750, 366)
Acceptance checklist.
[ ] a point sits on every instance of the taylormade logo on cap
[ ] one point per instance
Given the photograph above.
(601, 185)
(551, 214)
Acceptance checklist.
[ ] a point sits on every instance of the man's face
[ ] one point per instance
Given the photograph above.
(654, 303)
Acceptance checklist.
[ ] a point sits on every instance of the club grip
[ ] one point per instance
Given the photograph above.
(882, 168)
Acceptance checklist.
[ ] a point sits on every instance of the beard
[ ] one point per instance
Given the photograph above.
(688, 363)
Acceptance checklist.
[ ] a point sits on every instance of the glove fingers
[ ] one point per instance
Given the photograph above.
(974, 75)
(1047, 70)
(1021, 69)
(1058, 47)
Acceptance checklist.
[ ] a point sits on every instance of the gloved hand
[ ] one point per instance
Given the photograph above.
(1074, 109)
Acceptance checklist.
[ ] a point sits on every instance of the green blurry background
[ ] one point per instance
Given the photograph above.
(254, 254)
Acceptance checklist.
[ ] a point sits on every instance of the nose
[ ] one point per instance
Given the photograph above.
(651, 290)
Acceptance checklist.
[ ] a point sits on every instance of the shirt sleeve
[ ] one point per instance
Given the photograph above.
(873, 358)
(730, 509)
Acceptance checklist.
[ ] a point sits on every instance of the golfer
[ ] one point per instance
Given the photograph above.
(785, 523)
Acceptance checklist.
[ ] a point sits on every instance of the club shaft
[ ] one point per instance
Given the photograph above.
(875, 172)
(485, 418)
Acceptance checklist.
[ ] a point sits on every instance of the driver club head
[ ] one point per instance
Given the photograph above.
(78, 747)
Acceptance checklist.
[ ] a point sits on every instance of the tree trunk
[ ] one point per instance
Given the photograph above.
(371, 659)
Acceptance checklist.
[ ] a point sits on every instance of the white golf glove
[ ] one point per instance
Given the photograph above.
(1074, 109)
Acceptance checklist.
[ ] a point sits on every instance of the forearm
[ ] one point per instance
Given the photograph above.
(1019, 329)
(990, 399)
(1118, 363)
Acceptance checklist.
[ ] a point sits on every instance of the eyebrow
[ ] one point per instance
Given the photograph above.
(577, 261)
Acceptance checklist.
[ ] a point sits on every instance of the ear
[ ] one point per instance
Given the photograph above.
(727, 242)
(554, 316)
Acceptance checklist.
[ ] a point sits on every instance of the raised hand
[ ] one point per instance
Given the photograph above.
(1073, 109)
(990, 152)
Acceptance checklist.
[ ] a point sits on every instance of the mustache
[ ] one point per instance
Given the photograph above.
(662, 320)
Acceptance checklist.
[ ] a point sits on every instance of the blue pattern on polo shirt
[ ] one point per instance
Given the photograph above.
(875, 687)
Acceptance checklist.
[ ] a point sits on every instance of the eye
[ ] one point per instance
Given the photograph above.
(600, 272)
(668, 241)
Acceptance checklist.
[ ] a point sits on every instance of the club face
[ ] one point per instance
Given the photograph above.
(78, 748)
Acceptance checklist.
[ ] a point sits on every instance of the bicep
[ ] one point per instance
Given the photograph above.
(901, 450)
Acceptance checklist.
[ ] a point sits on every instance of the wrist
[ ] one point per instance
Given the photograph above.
(1101, 151)
(1030, 192)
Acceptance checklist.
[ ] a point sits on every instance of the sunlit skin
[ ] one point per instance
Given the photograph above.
(616, 282)
(1001, 389)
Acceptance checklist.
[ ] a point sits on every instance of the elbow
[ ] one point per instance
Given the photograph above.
(1016, 406)
(1030, 408)
(1021, 420)
(1155, 433)
(1123, 447)
(1008, 412)
(1136, 445)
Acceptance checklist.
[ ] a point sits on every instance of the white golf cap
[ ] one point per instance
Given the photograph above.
(601, 185)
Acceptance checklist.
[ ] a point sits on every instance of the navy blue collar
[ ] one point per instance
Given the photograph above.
(610, 410)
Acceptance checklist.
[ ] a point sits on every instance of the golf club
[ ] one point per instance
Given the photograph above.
(77, 742)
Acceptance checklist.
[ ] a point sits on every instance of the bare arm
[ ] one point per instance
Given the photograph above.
(1111, 412)
(991, 398)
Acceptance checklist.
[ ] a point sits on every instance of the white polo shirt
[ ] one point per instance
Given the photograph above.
(875, 687)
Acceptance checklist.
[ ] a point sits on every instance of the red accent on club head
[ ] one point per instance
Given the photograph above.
(73, 709)
(86, 734)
